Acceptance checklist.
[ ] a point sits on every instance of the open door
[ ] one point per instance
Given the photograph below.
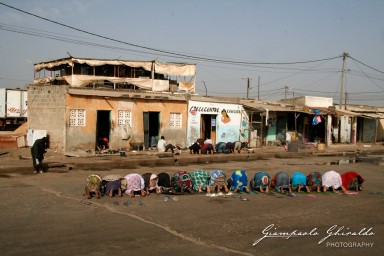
(151, 124)
(103, 126)
(208, 127)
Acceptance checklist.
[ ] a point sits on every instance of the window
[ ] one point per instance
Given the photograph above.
(175, 120)
(124, 117)
(77, 117)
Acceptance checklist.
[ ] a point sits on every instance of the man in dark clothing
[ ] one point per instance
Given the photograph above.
(195, 148)
(38, 150)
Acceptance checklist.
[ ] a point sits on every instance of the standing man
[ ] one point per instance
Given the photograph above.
(38, 150)
(162, 146)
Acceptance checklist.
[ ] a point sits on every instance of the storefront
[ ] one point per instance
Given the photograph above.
(221, 122)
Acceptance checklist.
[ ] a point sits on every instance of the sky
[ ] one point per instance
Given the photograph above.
(280, 48)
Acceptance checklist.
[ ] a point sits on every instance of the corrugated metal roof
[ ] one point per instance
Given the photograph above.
(273, 107)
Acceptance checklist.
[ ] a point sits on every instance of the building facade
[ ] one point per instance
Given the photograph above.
(130, 104)
(220, 121)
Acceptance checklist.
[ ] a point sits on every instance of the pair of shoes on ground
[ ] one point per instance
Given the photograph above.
(35, 172)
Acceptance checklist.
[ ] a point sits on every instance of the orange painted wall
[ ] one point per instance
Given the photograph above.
(85, 137)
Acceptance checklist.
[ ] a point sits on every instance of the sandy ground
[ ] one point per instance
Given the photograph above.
(47, 214)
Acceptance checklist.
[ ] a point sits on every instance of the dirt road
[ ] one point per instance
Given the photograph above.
(47, 214)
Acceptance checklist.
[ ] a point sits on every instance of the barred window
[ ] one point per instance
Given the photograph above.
(123, 117)
(175, 120)
(77, 117)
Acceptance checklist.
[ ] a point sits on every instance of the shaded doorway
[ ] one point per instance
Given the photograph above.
(208, 127)
(103, 127)
(315, 131)
(281, 128)
(151, 124)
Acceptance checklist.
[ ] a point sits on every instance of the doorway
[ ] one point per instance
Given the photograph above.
(151, 124)
(103, 125)
(208, 127)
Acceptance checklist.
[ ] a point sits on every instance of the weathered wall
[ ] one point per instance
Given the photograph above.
(369, 132)
(172, 135)
(318, 102)
(345, 129)
(79, 137)
(46, 111)
(380, 130)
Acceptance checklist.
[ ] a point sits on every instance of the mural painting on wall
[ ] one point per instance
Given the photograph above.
(244, 131)
(229, 126)
(224, 117)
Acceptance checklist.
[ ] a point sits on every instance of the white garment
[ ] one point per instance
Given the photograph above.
(135, 182)
(161, 145)
(208, 141)
(332, 179)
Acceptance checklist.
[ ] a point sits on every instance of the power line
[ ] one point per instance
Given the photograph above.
(177, 55)
(367, 75)
(366, 65)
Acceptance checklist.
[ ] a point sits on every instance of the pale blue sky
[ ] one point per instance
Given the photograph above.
(270, 31)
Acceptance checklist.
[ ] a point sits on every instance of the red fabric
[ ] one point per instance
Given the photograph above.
(204, 147)
(347, 177)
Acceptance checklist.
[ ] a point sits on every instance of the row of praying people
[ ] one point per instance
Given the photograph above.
(200, 181)
(201, 146)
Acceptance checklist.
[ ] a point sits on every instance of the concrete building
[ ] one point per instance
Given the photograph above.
(307, 119)
(370, 123)
(130, 103)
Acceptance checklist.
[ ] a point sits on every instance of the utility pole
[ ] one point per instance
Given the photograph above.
(285, 92)
(345, 100)
(248, 85)
(258, 88)
(206, 92)
(345, 55)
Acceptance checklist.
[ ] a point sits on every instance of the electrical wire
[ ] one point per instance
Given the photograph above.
(177, 55)
(367, 75)
(366, 65)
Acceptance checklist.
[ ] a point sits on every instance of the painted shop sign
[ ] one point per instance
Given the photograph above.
(211, 110)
